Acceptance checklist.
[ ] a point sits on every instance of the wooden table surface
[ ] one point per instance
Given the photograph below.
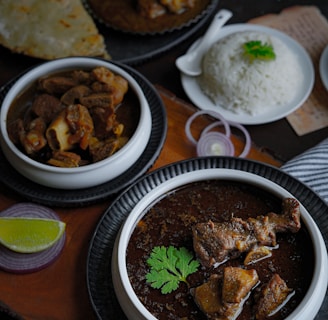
(59, 292)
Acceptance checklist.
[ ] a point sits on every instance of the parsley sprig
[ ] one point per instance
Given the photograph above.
(170, 266)
(257, 50)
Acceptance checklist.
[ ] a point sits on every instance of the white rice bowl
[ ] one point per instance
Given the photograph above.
(234, 82)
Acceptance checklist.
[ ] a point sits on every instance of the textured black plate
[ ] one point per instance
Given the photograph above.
(72, 198)
(134, 49)
(99, 275)
(136, 24)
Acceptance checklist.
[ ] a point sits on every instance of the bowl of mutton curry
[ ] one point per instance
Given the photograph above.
(219, 244)
(74, 123)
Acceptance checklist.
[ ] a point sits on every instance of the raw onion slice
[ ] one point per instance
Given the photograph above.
(15, 262)
(208, 112)
(215, 144)
(248, 141)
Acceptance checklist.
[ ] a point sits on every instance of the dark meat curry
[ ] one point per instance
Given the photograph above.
(148, 16)
(269, 277)
(74, 118)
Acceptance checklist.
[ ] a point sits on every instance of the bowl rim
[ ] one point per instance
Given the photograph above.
(305, 308)
(57, 66)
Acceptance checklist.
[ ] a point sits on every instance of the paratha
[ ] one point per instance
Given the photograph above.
(49, 29)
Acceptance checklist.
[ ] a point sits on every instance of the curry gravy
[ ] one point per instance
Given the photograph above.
(169, 221)
(123, 15)
(127, 113)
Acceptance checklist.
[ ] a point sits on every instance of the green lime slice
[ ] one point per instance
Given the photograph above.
(28, 235)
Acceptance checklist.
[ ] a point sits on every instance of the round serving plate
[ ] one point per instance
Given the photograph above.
(99, 277)
(198, 97)
(125, 16)
(134, 49)
(73, 198)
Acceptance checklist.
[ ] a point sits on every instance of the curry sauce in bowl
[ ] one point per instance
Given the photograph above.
(169, 216)
(74, 123)
(74, 118)
(148, 17)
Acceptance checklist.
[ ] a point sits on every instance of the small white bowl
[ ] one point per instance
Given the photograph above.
(132, 306)
(84, 176)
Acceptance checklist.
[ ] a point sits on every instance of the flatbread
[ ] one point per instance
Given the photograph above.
(49, 29)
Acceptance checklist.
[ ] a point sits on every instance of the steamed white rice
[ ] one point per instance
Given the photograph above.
(235, 83)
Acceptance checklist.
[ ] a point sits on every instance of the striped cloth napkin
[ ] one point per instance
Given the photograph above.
(311, 167)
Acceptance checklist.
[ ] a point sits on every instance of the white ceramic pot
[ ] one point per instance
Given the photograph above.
(127, 298)
(88, 175)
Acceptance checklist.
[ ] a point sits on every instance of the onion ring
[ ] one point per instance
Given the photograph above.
(209, 142)
(15, 262)
(248, 141)
(208, 112)
(215, 144)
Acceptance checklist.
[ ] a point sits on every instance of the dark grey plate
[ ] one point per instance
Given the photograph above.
(133, 49)
(73, 198)
(99, 275)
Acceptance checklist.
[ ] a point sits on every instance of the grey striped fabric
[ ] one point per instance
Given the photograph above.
(311, 167)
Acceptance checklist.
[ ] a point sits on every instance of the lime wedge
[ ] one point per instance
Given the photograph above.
(28, 235)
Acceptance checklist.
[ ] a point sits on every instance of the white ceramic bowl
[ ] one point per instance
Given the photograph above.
(88, 175)
(127, 298)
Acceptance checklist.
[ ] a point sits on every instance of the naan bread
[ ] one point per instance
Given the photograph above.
(49, 29)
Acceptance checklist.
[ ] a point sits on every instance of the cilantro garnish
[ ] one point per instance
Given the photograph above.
(256, 50)
(169, 266)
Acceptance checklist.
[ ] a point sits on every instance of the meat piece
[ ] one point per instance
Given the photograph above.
(208, 297)
(104, 121)
(102, 74)
(105, 148)
(119, 89)
(290, 218)
(119, 85)
(16, 130)
(81, 125)
(150, 9)
(81, 77)
(178, 6)
(223, 298)
(256, 254)
(74, 94)
(46, 106)
(58, 133)
(72, 126)
(237, 283)
(57, 84)
(156, 8)
(64, 159)
(98, 86)
(273, 295)
(33, 140)
(101, 99)
(214, 243)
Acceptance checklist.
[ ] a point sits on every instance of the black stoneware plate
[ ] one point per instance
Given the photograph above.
(134, 49)
(99, 275)
(124, 16)
(73, 198)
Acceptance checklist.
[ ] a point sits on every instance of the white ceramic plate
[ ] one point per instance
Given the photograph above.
(195, 94)
(323, 67)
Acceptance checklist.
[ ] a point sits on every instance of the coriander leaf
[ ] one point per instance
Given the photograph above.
(162, 258)
(169, 266)
(185, 263)
(162, 279)
(256, 50)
